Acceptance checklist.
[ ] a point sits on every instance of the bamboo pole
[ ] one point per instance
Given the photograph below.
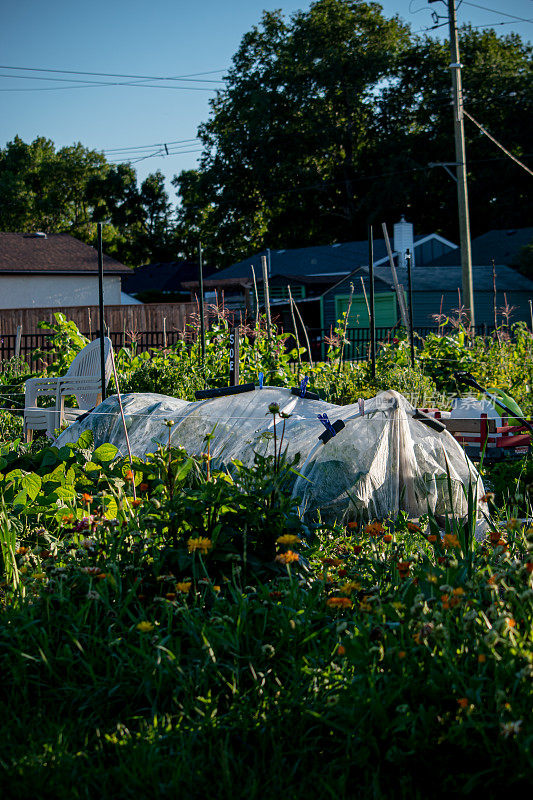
(266, 296)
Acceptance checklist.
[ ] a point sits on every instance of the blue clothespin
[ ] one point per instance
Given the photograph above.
(327, 424)
(303, 386)
(261, 378)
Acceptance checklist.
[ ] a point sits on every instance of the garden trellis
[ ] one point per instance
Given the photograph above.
(369, 460)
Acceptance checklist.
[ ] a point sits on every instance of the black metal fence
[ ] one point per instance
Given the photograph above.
(358, 340)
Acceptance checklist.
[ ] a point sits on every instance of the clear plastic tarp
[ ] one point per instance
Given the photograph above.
(383, 460)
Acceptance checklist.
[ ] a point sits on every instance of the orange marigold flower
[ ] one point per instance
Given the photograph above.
(275, 595)
(387, 538)
(184, 586)
(459, 590)
(200, 543)
(129, 475)
(374, 528)
(143, 487)
(87, 498)
(462, 702)
(332, 562)
(287, 558)
(512, 524)
(401, 653)
(432, 537)
(102, 576)
(486, 497)
(22, 551)
(511, 623)
(403, 568)
(339, 602)
(413, 527)
(136, 502)
(529, 566)
(341, 650)
(451, 541)
(482, 658)
(352, 525)
(170, 595)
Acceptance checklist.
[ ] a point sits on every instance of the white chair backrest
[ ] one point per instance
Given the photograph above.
(87, 365)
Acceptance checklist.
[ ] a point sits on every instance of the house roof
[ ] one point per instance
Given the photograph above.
(52, 253)
(167, 276)
(330, 262)
(324, 260)
(448, 278)
(501, 245)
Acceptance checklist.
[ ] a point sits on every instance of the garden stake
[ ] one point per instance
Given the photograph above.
(372, 304)
(256, 300)
(119, 398)
(202, 320)
(410, 287)
(266, 297)
(305, 334)
(295, 331)
(101, 306)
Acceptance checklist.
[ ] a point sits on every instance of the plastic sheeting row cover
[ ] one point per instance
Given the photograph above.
(383, 460)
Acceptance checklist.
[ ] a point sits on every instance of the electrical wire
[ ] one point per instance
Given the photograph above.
(189, 77)
(496, 11)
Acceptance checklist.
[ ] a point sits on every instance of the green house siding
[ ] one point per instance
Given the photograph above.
(385, 309)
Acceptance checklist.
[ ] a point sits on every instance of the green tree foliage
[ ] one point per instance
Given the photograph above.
(70, 189)
(330, 119)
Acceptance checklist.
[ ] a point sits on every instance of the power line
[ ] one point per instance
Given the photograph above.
(147, 146)
(496, 11)
(188, 77)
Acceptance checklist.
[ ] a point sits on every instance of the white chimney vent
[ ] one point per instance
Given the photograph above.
(404, 241)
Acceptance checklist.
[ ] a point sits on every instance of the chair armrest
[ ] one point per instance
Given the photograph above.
(39, 386)
(78, 383)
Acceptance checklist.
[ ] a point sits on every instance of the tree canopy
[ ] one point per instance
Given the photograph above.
(70, 189)
(329, 121)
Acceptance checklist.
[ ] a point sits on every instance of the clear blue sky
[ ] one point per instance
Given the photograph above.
(161, 38)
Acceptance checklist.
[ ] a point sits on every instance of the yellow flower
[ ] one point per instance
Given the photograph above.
(288, 557)
(459, 591)
(145, 626)
(201, 543)
(216, 588)
(184, 587)
(288, 538)
(350, 587)
(398, 606)
(39, 576)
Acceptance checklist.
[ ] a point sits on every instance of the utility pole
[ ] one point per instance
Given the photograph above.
(460, 158)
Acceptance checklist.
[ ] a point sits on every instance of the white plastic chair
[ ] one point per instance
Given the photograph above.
(82, 380)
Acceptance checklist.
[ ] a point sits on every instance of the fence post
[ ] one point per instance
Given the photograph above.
(17, 341)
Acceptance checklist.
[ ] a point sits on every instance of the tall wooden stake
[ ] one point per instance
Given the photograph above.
(266, 295)
(101, 306)
(202, 319)
(410, 290)
(372, 302)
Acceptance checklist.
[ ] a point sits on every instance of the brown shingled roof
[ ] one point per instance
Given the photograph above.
(55, 252)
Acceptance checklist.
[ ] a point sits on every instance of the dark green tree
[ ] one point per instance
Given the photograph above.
(287, 137)
(330, 120)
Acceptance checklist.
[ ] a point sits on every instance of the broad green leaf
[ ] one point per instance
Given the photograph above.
(105, 453)
(111, 508)
(31, 484)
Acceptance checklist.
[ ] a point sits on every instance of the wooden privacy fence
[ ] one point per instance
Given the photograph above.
(145, 317)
